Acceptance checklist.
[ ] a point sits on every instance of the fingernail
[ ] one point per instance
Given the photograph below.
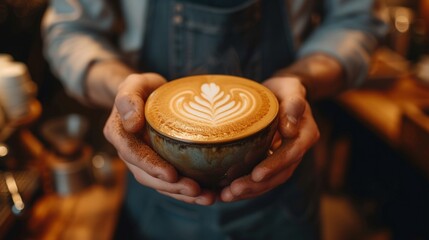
(161, 177)
(292, 119)
(227, 196)
(125, 108)
(184, 191)
(228, 199)
(128, 115)
(258, 178)
(200, 201)
(258, 175)
(243, 191)
(294, 110)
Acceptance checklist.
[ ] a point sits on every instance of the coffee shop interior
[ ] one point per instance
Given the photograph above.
(60, 178)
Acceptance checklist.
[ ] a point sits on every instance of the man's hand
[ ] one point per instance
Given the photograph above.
(297, 132)
(124, 129)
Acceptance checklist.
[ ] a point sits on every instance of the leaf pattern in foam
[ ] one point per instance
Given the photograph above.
(212, 105)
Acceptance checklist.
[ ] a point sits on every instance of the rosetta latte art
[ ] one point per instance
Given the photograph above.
(212, 105)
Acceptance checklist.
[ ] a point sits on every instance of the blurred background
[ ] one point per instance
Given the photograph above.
(60, 179)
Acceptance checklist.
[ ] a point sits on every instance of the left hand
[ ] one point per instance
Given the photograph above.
(124, 130)
(297, 133)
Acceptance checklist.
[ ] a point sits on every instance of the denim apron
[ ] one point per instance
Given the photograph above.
(249, 40)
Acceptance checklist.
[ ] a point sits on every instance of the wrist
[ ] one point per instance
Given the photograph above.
(103, 80)
(321, 75)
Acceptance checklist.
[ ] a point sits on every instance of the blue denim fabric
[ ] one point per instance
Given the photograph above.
(217, 3)
(249, 40)
(187, 39)
(287, 212)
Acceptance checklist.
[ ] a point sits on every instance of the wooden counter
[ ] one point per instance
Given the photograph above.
(395, 112)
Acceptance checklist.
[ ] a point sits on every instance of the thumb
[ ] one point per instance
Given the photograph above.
(291, 112)
(131, 96)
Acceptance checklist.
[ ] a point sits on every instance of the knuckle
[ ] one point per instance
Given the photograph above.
(316, 136)
(283, 125)
(133, 77)
(297, 157)
(303, 90)
(127, 79)
(106, 131)
(122, 96)
(148, 76)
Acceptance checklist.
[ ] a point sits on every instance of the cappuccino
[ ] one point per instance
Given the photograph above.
(210, 108)
(212, 128)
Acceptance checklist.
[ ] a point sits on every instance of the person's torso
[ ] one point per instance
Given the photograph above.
(217, 3)
(250, 39)
(184, 38)
(136, 16)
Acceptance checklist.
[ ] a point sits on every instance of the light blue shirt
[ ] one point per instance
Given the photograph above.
(76, 34)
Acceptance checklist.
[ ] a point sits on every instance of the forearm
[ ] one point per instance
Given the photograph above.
(102, 81)
(76, 40)
(348, 34)
(321, 75)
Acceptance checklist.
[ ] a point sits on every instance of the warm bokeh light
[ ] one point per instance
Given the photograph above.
(3, 150)
(402, 19)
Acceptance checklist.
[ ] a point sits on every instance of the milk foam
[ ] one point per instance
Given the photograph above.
(210, 108)
(212, 105)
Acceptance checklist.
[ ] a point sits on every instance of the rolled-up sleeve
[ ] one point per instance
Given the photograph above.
(349, 32)
(76, 34)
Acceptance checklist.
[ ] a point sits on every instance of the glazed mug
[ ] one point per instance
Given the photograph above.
(212, 128)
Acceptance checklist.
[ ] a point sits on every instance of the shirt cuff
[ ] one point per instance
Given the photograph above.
(351, 48)
(72, 64)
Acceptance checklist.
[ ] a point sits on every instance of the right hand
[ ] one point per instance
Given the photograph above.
(125, 130)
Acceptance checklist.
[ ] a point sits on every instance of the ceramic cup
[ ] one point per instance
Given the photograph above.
(212, 128)
(16, 89)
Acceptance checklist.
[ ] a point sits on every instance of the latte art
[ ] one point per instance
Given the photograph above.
(212, 105)
(210, 108)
